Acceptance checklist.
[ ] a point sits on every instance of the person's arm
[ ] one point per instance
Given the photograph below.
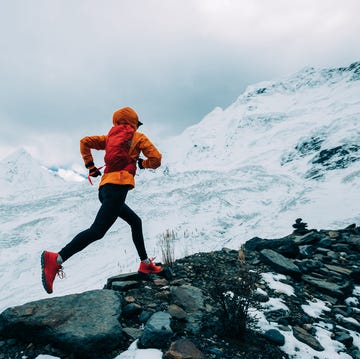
(87, 144)
(153, 156)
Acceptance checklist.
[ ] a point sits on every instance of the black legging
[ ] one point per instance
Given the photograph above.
(112, 198)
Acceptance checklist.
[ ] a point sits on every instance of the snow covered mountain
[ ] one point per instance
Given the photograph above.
(22, 175)
(312, 115)
(284, 149)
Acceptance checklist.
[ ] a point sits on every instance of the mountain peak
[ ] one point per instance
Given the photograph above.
(22, 172)
(18, 155)
(308, 77)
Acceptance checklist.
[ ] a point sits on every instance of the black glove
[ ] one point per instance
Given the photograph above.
(140, 161)
(94, 172)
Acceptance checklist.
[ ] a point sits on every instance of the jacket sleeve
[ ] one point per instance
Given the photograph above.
(91, 142)
(153, 156)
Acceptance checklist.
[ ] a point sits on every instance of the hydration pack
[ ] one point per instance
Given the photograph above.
(117, 148)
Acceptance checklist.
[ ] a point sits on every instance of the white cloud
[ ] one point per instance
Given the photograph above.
(66, 66)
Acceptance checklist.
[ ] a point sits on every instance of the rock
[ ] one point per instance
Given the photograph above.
(145, 316)
(307, 266)
(160, 282)
(258, 244)
(134, 276)
(306, 250)
(85, 323)
(333, 255)
(260, 295)
(176, 312)
(131, 310)
(338, 269)
(284, 328)
(339, 311)
(355, 276)
(129, 299)
(303, 336)
(333, 289)
(192, 300)
(348, 323)
(279, 263)
(274, 315)
(123, 286)
(184, 349)
(289, 249)
(345, 338)
(325, 242)
(341, 247)
(133, 333)
(350, 227)
(189, 297)
(157, 331)
(308, 238)
(333, 234)
(274, 336)
(355, 242)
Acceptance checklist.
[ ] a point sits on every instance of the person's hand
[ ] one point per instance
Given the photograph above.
(140, 161)
(94, 172)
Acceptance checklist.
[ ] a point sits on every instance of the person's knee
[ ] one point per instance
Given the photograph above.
(97, 233)
(136, 221)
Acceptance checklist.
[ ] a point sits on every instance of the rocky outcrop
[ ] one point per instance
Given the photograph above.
(179, 313)
(83, 324)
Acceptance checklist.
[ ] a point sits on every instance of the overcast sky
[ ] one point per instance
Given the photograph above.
(66, 66)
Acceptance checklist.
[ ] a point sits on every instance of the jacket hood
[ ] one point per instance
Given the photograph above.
(126, 115)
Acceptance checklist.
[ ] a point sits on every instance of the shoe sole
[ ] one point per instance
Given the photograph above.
(43, 273)
(151, 272)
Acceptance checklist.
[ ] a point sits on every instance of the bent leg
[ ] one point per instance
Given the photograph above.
(103, 221)
(110, 198)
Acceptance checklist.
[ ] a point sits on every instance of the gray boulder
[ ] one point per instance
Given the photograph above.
(274, 336)
(280, 263)
(85, 323)
(191, 299)
(157, 331)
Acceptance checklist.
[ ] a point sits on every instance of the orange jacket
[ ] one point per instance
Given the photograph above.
(140, 143)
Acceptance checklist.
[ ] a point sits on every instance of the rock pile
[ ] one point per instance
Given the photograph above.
(179, 313)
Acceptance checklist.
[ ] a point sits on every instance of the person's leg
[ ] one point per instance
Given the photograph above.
(111, 197)
(147, 265)
(129, 216)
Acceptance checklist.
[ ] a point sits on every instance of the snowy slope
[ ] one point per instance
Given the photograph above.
(271, 120)
(284, 149)
(21, 175)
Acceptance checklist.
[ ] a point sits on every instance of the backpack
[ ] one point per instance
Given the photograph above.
(117, 148)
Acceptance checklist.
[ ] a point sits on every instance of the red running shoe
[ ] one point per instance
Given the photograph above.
(149, 268)
(49, 269)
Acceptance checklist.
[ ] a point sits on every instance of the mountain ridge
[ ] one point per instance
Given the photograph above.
(265, 111)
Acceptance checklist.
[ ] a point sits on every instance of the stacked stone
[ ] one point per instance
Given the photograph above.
(300, 227)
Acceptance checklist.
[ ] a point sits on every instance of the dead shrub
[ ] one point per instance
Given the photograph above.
(235, 298)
